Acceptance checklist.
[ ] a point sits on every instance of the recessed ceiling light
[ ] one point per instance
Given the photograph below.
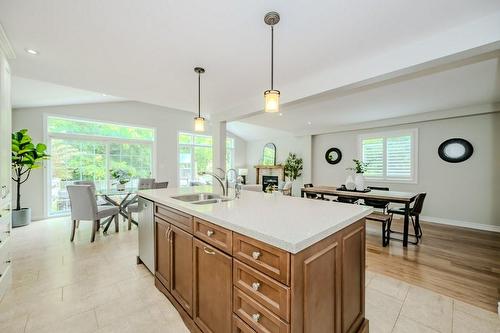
(104, 94)
(281, 114)
(309, 123)
(31, 51)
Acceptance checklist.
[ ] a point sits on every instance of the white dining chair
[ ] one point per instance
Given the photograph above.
(133, 206)
(84, 207)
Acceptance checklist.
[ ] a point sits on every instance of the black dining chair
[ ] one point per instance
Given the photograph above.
(314, 195)
(414, 213)
(379, 204)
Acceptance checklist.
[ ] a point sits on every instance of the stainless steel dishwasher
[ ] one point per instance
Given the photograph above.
(145, 224)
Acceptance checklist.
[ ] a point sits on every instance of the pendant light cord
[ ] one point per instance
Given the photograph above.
(272, 56)
(199, 95)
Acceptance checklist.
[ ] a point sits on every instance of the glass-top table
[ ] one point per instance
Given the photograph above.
(121, 199)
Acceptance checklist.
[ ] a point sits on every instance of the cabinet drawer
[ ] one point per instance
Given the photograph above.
(256, 316)
(214, 235)
(266, 258)
(177, 218)
(4, 256)
(271, 294)
(239, 326)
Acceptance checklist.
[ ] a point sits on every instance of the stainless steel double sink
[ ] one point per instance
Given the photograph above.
(201, 198)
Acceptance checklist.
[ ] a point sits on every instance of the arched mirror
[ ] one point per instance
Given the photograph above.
(269, 154)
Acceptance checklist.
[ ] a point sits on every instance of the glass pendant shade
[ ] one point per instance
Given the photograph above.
(272, 101)
(199, 124)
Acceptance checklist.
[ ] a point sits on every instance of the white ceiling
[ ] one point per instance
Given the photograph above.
(475, 81)
(28, 93)
(146, 50)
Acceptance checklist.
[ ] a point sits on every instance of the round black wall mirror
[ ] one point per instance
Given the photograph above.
(333, 155)
(455, 150)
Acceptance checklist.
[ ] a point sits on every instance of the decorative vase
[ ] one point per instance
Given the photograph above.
(359, 180)
(120, 187)
(349, 183)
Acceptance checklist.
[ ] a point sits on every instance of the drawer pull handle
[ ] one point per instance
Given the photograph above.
(208, 251)
(8, 261)
(256, 255)
(256, 317)
(256, 286)
(210, 233)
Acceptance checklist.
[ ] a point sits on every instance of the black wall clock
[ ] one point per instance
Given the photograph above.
(455, 150)
(333, 155)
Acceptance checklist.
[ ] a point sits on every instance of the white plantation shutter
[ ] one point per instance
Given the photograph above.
(399, 157)
(391, 156)
(373, 154)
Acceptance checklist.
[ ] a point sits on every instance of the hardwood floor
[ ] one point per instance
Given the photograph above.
(457, 262)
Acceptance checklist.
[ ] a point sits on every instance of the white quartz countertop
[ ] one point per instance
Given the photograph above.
(289, 223)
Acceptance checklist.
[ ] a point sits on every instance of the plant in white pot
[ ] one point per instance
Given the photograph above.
(26, 156)
(359, 178)
(293, 167)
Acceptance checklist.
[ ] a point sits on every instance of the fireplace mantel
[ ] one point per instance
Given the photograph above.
(273, 170)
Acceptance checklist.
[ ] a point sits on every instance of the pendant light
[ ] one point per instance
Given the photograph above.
(272, 96)
(199, 122)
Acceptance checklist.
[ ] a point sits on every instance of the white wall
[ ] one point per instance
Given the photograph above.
(284, 145)
(464, 192)
(168, 122)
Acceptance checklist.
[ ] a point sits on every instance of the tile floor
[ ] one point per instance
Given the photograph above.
(60, 286)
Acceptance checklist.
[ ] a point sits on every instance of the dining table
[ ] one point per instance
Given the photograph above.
(404, 198)
(121, 199)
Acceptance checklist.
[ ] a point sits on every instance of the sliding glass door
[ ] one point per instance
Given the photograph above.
(77, 153)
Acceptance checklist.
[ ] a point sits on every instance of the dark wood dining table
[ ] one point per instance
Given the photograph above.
(405, 198)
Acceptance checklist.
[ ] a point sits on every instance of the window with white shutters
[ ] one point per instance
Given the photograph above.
(391, 156)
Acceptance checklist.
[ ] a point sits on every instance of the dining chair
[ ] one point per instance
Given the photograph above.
(84, 207)
(414, 213)
(379, 204)
(133, 206)
(160, 185)
(100, 201)
(314, 195)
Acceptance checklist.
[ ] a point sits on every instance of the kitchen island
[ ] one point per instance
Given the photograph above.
(260, 263)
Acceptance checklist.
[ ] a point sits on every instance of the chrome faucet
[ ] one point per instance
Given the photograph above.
(224, 188)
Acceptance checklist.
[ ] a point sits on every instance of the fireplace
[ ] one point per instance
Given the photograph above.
(269, 180)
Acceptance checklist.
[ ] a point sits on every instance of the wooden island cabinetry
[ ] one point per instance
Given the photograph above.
(223, 282)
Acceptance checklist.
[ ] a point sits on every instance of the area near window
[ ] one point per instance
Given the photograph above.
(391, 156)
(195, 156)
(88, 150)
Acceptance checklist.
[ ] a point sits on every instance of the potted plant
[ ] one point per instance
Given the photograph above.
(26, 156)
(359, 178)
(121, 177)
(293, 167)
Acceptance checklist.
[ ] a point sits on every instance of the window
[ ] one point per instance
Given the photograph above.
(86, 150)
(229, 153)
(195, 156)
(391, 156)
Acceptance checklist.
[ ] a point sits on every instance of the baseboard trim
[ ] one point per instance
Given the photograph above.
(463, 224)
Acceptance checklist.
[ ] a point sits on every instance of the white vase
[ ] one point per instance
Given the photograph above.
(120, 187)
(359, 180)
(349, 183)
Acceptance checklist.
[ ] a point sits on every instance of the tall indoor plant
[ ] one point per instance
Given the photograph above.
(293, 167)
(26, 156)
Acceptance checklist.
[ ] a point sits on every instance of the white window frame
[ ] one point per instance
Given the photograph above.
(386, 134)
(232, 151)
(192, 145)
(97, 138)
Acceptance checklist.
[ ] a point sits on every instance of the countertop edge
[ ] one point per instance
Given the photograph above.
(279, 243)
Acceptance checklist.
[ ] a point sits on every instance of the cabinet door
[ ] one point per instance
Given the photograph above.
(162, 265)
(212, 288)
(181, 259)
(5, 131)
